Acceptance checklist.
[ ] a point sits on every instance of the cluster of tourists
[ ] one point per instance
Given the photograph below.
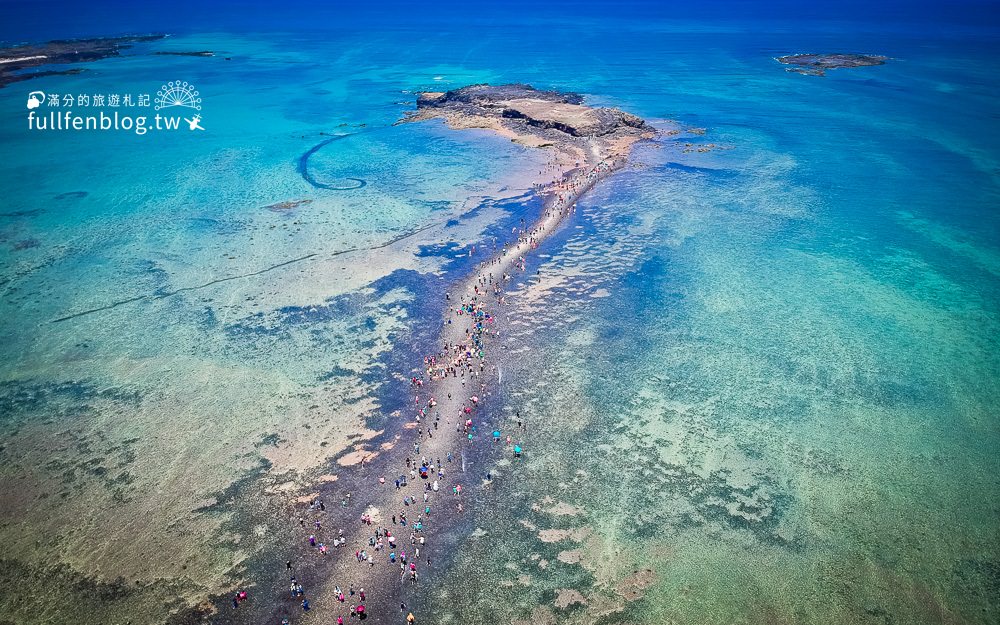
(451, 386)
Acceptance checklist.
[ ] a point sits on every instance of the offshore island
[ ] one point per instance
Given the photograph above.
(817, 64)
(15, 59)
(537, 118)
(32, 60)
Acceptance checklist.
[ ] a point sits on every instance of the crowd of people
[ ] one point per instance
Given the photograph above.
(451, 386)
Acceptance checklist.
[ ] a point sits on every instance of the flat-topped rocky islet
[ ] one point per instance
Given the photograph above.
(817, 64)
(536, 118)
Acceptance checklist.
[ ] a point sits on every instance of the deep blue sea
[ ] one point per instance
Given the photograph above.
(761, 366)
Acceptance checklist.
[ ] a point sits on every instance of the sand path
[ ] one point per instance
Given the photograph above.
(382, 581)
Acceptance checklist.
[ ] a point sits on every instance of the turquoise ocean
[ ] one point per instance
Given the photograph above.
(760, 378)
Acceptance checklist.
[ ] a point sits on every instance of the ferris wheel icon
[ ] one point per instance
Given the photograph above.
(177, 93)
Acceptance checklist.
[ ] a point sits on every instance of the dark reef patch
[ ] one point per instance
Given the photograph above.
(287, 205)
(71, 195)
(978, 581)
(26, 244)
(24, 213)
(439, 249)
(113, 600)
(19, 396)
(336, 372)
(303, 168)
(437, 205)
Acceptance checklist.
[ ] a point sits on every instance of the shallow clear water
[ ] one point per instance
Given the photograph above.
(767, 373)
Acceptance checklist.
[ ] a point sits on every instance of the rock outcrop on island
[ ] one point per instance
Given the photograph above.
(535, 117)
(17, 58)
(817, 64)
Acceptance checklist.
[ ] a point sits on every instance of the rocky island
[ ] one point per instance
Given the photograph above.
(184, 53)
(16, 58)
(537, 118)
(817, 64)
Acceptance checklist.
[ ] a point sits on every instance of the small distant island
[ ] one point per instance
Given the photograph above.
(537, 118)
(184, 53)
(60, 51)
(817, 64)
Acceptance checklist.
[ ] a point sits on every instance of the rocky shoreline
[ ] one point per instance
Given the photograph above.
(61, 51)
(536, 118)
